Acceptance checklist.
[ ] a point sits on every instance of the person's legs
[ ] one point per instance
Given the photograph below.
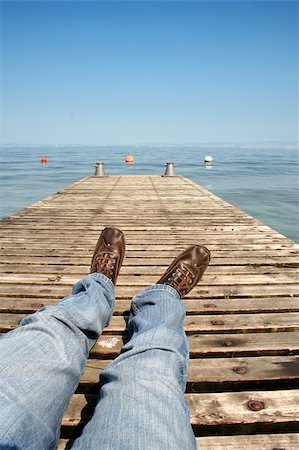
(42, 361)
(141, 403)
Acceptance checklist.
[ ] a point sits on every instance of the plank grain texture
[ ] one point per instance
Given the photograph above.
(242, 319)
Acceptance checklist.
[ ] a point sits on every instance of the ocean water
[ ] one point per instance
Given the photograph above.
(261, 179)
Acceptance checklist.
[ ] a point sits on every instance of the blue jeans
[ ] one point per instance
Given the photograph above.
(141, 404)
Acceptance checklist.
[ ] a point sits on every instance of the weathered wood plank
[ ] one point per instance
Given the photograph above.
(83, 270)
(237, 323)
(204, 374)
(216, 345)
(128, 292)
(287, 277)
(145, 228)
(288, 441)
(232, 407)
(147, 253)
(198, 306)
(25, 237)
(213, 409)
(279, 261)
(146, 237)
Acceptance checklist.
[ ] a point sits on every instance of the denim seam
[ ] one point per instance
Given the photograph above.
(111, 291)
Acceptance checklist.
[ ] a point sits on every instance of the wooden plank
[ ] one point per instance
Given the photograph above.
(288, 441)
(286, 277)
(71, 247)
(146, 253)
(278, 261)
(156, 271)
(149, 236)
(217, 306)
(204, 374)
(128, 292)
(216, 345)
(138, 239)
(232, 407)
(237, 323)
(220, 346)
(145, 228)
(236, 372)
(227, 408)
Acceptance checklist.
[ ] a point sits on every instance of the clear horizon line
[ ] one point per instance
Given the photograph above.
(152, 143)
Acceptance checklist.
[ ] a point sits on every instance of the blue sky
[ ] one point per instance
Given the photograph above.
(148, 72)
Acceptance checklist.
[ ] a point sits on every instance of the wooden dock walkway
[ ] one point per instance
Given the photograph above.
(242, 319)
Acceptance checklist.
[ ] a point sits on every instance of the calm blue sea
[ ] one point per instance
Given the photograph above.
(261, 179)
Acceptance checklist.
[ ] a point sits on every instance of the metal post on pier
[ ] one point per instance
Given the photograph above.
(100, 170)
(170, 169)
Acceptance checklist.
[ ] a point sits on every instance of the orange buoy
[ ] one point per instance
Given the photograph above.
(129, 159)
(43, 160)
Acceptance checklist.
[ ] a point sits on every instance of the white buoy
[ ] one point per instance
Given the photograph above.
(208, 159)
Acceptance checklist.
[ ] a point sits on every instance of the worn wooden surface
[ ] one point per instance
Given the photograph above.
(251, 290)
(253, 442)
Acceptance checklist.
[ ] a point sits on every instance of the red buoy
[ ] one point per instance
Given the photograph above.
(43, 160)
(129, 159)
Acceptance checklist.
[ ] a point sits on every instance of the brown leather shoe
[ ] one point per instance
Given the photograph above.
(109, 253)
(187, 269)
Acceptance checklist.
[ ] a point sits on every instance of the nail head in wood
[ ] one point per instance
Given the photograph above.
(240, 369)
(217, 322)
(228, 343)
(255, 405)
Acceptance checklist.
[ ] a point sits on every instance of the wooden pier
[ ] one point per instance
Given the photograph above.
(242, 319)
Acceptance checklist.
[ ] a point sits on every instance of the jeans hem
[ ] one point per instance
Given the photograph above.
(104, 280)
(164, 287)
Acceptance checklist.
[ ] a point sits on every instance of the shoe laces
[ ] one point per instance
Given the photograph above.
(179, 277)
(106, 264)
